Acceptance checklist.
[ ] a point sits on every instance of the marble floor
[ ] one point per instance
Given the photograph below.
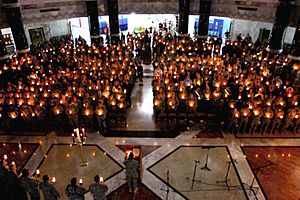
(177, 155)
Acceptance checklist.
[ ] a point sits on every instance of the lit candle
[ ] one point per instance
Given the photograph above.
(53, 180)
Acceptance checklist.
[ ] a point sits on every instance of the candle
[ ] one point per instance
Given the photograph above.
(53, 180)
(101, 180)
(80, 181)
(37, 171)
(99, 111)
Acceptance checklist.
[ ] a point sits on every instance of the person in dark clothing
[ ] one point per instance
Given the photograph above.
(48, 189)
(30, 185)
(98, 189)
(16, 192)
(4, 189)
(73, 191)
(140, 71)
(132, 173)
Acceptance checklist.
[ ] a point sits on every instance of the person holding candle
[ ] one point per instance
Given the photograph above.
(98, 189)
(15, 189)
(101, 115)
(73, 191)
(4, 181)
(48, 189)
(268, 115)
(30, 184)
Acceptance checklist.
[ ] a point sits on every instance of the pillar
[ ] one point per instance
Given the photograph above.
(113, 14)
(282, 16)
(184, 11)
(204, 13)
(92, 11)
(14, 19)
(3, 50)
(296, 41)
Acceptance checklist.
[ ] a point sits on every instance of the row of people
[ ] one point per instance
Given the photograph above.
(25, 186)
(185, 80)
(67, 77)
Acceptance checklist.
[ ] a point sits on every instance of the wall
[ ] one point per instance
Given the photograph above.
(246, 26)
(148, 6)
(253, 28)
(51, 29)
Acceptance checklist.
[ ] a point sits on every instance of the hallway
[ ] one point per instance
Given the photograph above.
(140, 115)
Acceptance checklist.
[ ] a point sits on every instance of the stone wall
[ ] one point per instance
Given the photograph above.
(148, 6)
(51, 29)
(253, 28)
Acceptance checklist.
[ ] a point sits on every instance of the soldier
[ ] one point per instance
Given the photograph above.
(4, 187)
(235, 116)
(98, 189)
(132, 173)
(48, 189)
(277, 120)
(30, 185)
(245, 114)
(15, 189)
(73, 191)
(297, 121)
(257, 113)
(101, 115)
(267, 119)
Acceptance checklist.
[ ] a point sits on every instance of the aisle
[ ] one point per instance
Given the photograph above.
(140, 115)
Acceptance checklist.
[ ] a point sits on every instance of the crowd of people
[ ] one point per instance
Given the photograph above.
(24, 186)
(246, 88)
(64, 81)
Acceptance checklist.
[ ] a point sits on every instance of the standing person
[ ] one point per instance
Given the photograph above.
(4, 186)
(73, 191)
(30, 185)
(98, 189)
(132, 172)
(48, 189)
(15, 189)
(140, 70)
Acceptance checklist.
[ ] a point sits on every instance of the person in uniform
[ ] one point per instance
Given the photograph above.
(98, 189)
(15, 189)
(132, 172)
(73, 191)
(4, 186)
(48, 189)
(30, 185)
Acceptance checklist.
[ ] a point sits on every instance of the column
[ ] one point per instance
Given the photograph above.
(92, 11)
(296, 42)
(14, 19)
(3, 50)
(184, 11)
(204, 13)
(113, 14)
(282, 16)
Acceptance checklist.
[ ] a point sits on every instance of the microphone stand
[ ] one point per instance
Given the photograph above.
(251, 186)
(206, 161)
(194, 174)
(226, 177)
(168, 189)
